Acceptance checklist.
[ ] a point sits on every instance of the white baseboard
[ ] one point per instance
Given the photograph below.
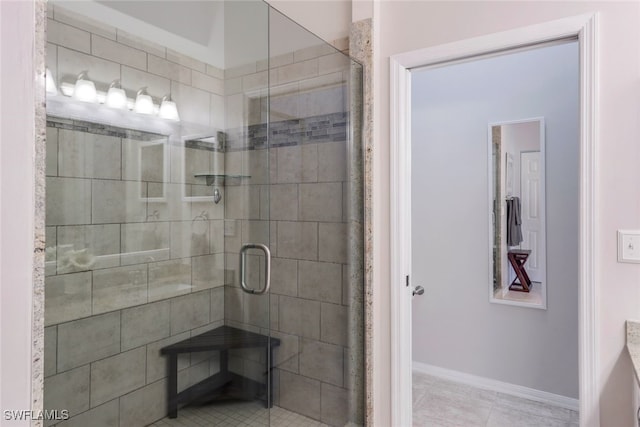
(499, 386)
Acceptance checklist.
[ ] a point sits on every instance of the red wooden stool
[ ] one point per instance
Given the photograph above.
(517, 258)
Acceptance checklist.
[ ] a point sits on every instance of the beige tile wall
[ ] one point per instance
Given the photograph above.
(127, 275)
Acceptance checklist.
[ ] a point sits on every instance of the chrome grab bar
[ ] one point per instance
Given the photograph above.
(267, 268)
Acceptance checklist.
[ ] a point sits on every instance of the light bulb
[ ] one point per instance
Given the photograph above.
(50, 84)
(116, 96)
(84, 89)
(144, 102)
(169, 109)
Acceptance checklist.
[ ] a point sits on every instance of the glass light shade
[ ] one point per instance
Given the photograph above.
(50, 84)
(169, 110)
(144, 104)
(116, 98)
(85, 91)
(67, 88)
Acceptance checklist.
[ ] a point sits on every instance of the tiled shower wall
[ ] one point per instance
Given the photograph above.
(134, 263)
(105, 325)
(295, 201)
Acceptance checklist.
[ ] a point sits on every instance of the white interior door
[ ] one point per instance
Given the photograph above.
(530, 183)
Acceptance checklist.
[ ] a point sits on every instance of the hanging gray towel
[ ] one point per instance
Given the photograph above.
(514, 221)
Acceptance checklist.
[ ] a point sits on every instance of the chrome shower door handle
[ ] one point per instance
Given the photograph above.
(267, 268)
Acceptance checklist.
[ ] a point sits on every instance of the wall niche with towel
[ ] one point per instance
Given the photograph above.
(517, 205)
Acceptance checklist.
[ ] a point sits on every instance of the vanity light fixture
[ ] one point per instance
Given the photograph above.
(144, 102)
(168, 109)
(116, 96)
(85, 90)
(50, 84)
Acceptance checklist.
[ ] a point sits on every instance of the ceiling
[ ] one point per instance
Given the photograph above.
(222, 33)
(189, 19)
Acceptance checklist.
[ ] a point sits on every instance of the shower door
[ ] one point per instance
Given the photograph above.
(314, 212)
(294, 188)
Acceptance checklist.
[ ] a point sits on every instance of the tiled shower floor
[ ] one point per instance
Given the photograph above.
(231, 414)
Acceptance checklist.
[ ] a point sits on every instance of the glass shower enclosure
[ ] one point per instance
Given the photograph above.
(204, 218)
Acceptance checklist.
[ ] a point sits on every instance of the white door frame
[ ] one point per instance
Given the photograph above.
(584, 27)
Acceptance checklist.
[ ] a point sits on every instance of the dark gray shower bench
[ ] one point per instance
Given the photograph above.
(222, 339)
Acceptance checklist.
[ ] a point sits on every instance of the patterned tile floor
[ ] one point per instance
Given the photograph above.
(236, 414)
(442, 403)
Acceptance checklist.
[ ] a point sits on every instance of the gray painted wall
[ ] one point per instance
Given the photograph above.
(454, 325)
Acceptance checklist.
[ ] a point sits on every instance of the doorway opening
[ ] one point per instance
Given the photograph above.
(402, 67)
(467, 187)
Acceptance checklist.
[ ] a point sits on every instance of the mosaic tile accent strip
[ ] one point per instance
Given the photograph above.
(324, 128)
(101, 129)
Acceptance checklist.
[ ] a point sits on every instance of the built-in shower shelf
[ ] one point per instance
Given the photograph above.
(218, 179)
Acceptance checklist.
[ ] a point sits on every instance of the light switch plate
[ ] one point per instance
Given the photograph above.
(629, 246)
